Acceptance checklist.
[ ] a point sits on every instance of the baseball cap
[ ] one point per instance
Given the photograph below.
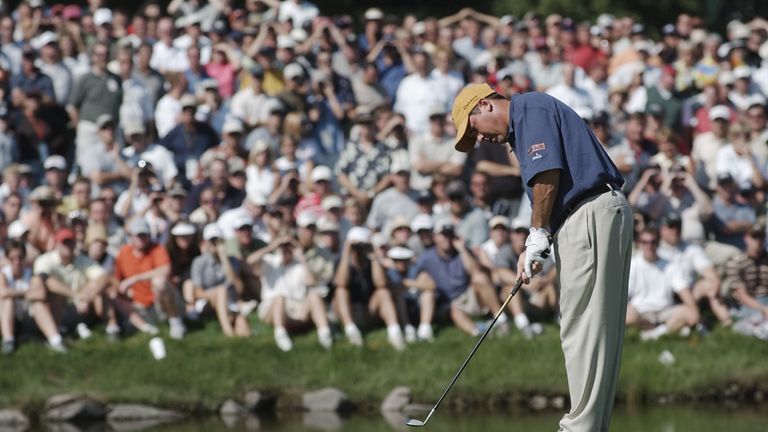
(104, 121)
(306, 219)
(400, 253)
(421, 222)
(719, 112)
(443, 226)
(373, 14)
(188, 101)
(742, 72)
(456, 189)
(102, 16)
(756, 100)
(436, 110)
(399, 222)
(55, 162)
(183, 229)
(400, 166)
(499, 220)
(321, 172)
(232, 126)
(520, 224)
(134, 128)
(464, 104)
(359, 234)
(332, 202)
(326, 225)
(94, 233)
(139, 226)
(17, 229)
(285, 42)
(671, 220)
(242, 221)
(757, 229)
(669, 30)
(64, 234)
(212, 231)
(177, 190)
(293, 70)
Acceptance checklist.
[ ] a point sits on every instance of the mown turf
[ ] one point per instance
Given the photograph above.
(205, 368)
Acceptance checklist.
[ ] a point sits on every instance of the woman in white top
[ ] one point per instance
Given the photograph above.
(261, 179)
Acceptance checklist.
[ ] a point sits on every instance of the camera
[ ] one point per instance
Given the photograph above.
(448, 231)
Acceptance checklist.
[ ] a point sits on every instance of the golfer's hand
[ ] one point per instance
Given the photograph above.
(537, 249)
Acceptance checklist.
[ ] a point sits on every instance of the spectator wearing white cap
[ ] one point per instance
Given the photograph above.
(299, 12)
(411, 290)
(398, 200)
(105, 165)
(707, 144)
(215, 278)
(56, 175)
(743, 88)
(421, 227)
(287, 300)
(361, 294)
(321, 187)
(50, 64)
(498, 258)
(372, 19)
(432, 152)
(736, 159)
(261, 176)
(294, 95)
(230, 147)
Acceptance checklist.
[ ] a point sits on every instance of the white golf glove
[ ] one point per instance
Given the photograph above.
(537, 248)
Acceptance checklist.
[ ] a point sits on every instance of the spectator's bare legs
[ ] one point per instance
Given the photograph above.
(168, 298)
(188, 293)
(463, 321)
(636, 320)
(682, 315)
(41, 312)
(241, 326)
(709, 289)
(342, 306)
(319, 317)
(7, 317)
(381, 304)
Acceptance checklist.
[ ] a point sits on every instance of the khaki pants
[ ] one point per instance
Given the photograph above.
(593, 249)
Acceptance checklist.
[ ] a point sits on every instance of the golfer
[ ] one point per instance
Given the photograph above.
(578, 207)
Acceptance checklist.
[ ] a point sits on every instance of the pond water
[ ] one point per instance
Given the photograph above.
(657, 419)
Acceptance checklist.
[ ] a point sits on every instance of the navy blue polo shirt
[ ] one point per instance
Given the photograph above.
(546, 134)
(449, 274)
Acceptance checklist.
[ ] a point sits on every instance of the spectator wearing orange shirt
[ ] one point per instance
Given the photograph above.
(142, 269)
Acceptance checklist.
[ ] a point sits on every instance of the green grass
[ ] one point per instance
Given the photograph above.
(205, 368)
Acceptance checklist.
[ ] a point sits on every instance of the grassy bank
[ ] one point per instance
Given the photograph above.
(205, 368)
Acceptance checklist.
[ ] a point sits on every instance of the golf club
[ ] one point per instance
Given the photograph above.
(419, 423)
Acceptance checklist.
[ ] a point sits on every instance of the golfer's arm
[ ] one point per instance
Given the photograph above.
(544, 194)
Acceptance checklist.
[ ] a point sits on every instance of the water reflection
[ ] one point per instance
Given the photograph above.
(660, 419)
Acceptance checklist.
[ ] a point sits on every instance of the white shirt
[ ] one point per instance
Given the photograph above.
(446, 84)
(185, 41)
(168, 58)
(259, 181)
(575, 97)
(415, 97)
(652, 284)
(300, 14)
(167, 114)
(278, 279)
(687, 257)
(739, 167)
(250, 107)
(598, 94)
(426, 147)
(161, 159)
(704, 151)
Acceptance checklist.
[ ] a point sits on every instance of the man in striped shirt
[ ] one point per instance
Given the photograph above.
(746, 275)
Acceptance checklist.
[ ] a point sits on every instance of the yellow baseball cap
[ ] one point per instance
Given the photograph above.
(464, 104)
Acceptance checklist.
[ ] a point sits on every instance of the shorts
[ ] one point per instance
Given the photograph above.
(658, 317)
(469, 303)
(295, 309)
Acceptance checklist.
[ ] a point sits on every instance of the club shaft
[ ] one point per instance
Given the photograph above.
(517, 286)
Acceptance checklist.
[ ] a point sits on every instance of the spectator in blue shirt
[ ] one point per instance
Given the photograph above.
(31, 79)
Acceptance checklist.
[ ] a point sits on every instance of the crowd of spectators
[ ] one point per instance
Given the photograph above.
(262, 161)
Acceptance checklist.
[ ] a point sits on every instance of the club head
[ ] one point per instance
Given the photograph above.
(414, 423)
